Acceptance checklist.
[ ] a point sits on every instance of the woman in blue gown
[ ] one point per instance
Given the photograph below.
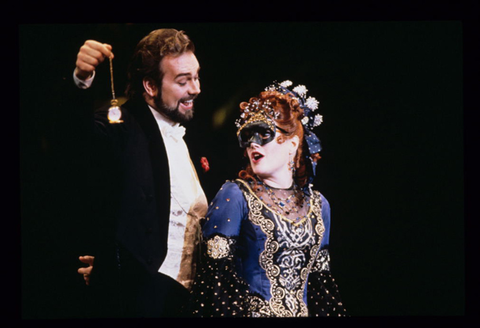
(266, 235)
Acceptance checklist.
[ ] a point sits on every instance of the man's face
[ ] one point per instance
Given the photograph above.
(180, 85)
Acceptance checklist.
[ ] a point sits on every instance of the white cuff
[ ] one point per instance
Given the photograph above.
(81, 83)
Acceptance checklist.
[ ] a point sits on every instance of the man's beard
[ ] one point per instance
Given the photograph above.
(174, 113)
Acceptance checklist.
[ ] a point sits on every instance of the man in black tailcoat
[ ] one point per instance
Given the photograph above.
(146, 199)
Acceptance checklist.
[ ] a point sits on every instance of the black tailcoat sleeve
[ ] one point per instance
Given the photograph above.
(131, 172)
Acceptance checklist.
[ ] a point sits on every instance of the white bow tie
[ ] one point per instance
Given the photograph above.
(176, 132)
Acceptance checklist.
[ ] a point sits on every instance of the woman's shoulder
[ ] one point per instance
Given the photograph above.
(235, 190)
(230, 186)
(228, 204)
(320, 197)
(229, 190)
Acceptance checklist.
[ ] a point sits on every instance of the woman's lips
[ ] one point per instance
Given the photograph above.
(256, 157)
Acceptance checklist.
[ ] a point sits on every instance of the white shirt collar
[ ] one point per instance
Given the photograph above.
(168, 128)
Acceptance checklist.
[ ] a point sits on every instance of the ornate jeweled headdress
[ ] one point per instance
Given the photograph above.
(310, 119)
(257, 112)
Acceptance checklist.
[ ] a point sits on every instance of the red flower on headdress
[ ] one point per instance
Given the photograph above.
(205, 165)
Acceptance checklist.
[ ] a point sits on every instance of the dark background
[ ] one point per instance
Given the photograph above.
(392, 167)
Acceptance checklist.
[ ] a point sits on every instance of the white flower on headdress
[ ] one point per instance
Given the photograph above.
(305, 120)
(286, 83)
(301, 90)
(318, 119)
(312, 103)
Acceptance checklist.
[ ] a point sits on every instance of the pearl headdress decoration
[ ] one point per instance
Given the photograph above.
(309, 105)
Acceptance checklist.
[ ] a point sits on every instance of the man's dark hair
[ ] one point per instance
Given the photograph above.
(149, 53)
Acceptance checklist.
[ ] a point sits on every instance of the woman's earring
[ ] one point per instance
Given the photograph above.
(291, 166)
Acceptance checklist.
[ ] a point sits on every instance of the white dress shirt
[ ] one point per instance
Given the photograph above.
(186, 195)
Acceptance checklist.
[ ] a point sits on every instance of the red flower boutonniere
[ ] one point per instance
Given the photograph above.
(205, 165)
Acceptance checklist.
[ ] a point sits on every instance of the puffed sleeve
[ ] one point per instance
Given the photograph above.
(218, 290)
(322, 292)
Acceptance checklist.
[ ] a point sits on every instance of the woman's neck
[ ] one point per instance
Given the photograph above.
(281, 183)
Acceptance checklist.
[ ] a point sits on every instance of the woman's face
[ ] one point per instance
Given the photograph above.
(270, 162)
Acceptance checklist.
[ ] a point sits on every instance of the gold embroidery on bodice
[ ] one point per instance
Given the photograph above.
(289, 254)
